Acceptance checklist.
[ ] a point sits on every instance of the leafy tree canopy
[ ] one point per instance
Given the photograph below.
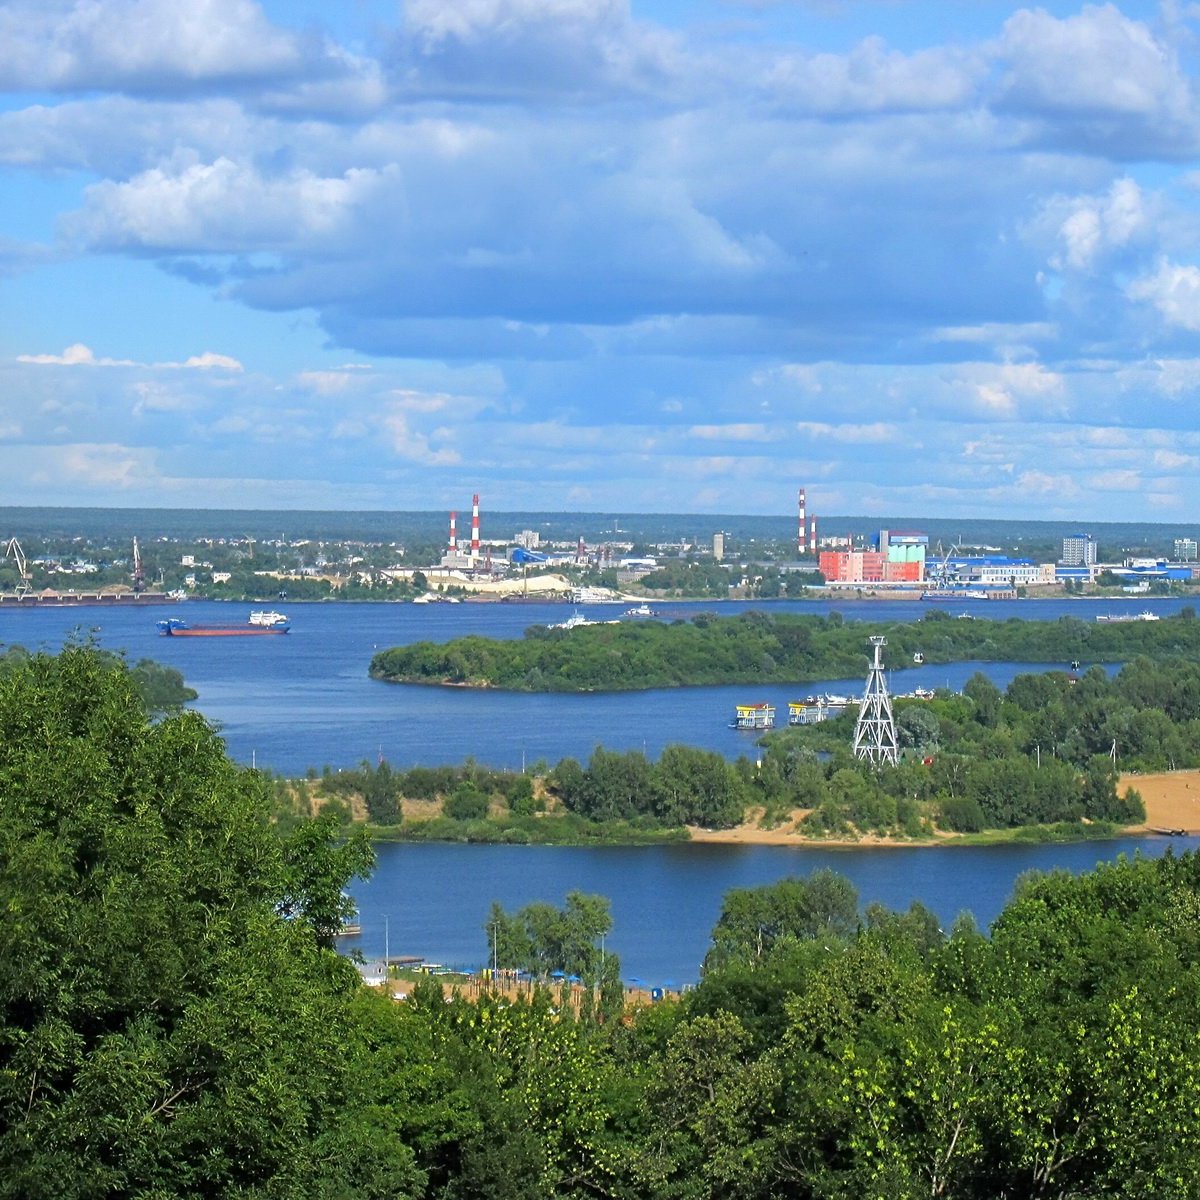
(165, 1028)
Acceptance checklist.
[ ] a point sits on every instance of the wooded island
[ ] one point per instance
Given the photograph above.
(758, 647)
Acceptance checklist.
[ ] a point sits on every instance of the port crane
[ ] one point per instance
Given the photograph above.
(13, 550)
(139, 571)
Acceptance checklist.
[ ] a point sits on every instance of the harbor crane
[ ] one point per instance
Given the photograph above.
(13, 550)
(139, 571)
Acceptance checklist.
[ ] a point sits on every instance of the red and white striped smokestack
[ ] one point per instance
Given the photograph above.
(453, 535)
(812, 540)
(801, 536)
(475, 525)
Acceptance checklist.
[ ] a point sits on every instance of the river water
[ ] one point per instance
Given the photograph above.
(433, 900)
(304, 700)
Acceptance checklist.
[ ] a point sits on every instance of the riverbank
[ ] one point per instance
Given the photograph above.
(1172, 800)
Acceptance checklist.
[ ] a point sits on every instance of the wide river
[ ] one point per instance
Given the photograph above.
(304, 700)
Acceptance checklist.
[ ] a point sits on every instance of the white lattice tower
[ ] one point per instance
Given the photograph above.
(875, 731)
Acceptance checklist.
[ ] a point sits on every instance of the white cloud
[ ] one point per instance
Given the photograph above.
(1090, 227)
(221, 206)
(76, 355)
(1118, 481)
(411, 445)
(105, 465)
(79, 355)
(873, 78)
(1033, 484)
(880, 432)
(325, 383)
(142, 45)
(469, 20)
(1172, 460)
(1006, 390)
(730, 433)
(1097, 62)
(153, 397)
(1173, 289)
(208, 361)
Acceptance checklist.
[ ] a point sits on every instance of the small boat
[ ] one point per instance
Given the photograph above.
(1121, 618)
(639, 610)
(177, 627)
(574, 621)
(269, 619)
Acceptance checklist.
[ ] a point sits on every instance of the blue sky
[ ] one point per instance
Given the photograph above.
(936, 258)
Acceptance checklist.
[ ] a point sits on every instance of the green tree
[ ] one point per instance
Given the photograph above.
(382, 795)
(467, 803)
(164, 1028)
(753, 920)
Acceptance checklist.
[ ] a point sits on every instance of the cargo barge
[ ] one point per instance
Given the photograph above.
(175, 627)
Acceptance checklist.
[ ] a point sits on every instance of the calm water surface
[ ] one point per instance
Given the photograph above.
(304, 700)
(433, 900)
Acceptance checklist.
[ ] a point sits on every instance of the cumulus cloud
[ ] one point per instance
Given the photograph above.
(1084, 230)
(411, 445)
(152, 46)
(1176, 376)
(220, 206)
(1174, 290)
(873, 78)
(1095, 64)
(1004, 391)
(650, 248)
(523, 48)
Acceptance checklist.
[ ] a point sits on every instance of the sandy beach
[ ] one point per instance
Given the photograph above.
(1172, 801)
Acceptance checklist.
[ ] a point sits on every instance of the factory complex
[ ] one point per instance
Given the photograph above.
(904, 561)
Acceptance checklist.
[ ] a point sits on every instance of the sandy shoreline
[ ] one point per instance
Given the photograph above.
(1172, 800)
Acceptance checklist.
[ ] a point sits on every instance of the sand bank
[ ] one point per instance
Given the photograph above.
(1172, 801)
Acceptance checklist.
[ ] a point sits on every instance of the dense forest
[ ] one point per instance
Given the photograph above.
(756, 647)
(174, 1024)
